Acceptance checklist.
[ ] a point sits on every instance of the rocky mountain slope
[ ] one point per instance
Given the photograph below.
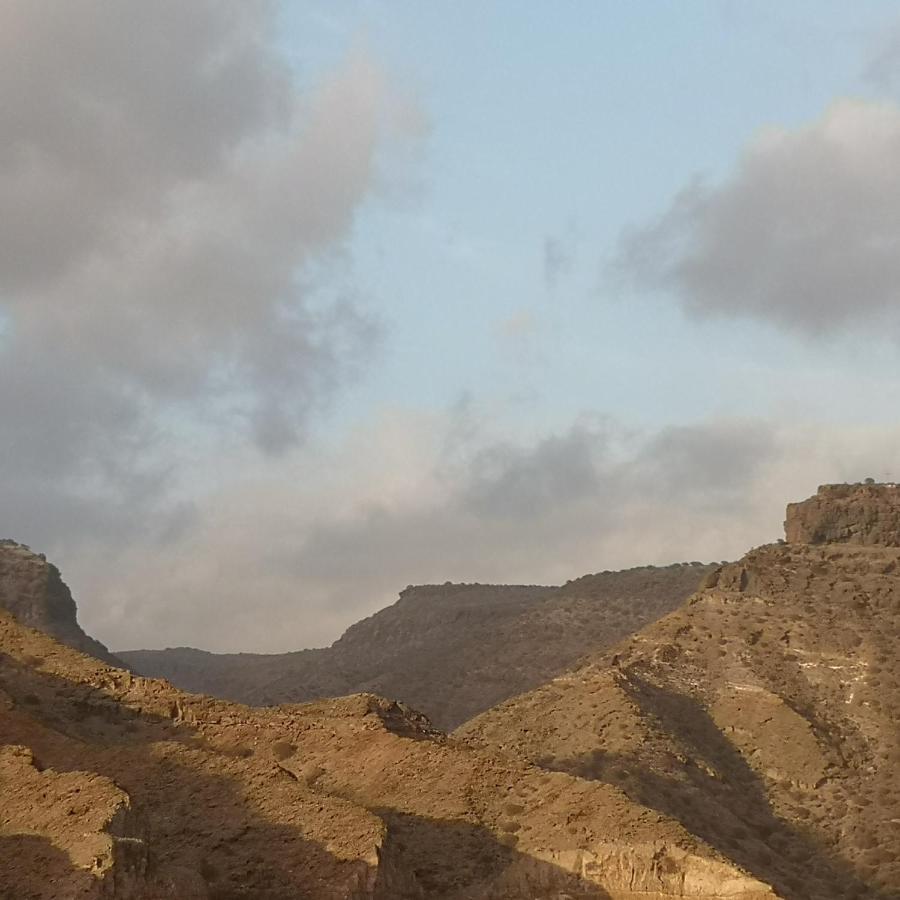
(763, 714)
(451, 650)
(112, 785)
(33, 591)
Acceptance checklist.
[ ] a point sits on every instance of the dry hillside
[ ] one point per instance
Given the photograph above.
(763, 714)
(112, 785)
(451, 650)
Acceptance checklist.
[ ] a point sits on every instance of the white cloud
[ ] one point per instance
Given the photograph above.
(804, 234)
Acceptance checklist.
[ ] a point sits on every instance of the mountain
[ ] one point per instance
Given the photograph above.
(117, 786)
(743, 747)
(763, 714)
(451, 651)
(33, 591)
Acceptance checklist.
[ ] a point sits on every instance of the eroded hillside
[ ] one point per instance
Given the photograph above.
(113, 785)
(449, 650)
(763, 715)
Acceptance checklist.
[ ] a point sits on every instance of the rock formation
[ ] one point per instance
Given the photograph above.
(451, 650)
(743, 747)
(33, 591)
(866, 514)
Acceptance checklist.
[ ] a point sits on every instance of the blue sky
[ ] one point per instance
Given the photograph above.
(303, 302)
(570, 124)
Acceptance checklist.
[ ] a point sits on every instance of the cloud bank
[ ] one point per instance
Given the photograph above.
(176, 208)
(413, 498)
(804, 234)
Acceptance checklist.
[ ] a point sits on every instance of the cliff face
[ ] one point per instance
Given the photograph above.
(865, 514)
(450, 650)
(33, 591)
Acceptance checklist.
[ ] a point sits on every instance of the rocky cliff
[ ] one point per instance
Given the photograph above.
(865, 514)
(33, 591)
(450, 650)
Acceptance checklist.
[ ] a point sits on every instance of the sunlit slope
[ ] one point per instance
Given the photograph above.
(117, 786)
(763, 715)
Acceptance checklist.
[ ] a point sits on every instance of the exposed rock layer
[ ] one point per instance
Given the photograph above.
(867, 514)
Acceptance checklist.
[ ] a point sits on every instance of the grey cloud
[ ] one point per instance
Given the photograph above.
(883, 68)
(803, 234)
(714, 461)
(556, 262)
(509, 481)
(107, 105)
(166, 187)
(584, 500)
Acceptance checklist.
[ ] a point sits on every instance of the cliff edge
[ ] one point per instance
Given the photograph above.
(865, 514)
(33, 591)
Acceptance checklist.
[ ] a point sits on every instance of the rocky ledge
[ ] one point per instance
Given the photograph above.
(865, 514)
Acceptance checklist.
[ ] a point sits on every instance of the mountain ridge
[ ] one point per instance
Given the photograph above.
(450, 650)
(761, 714)
(744, 746)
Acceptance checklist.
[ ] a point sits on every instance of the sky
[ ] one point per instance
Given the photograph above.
(304, 302)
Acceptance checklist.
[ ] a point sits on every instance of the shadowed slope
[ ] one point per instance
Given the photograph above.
(32, 590)
(450, 650)
(352, 798)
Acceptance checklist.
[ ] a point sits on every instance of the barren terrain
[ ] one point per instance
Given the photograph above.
(451, 651)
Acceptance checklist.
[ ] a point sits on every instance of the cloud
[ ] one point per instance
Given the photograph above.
(407, 500)
(557, 262)
(509, 482)
(174, 205)
(804, 234)
(883, 68)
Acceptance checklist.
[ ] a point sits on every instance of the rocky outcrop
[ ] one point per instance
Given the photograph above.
(32, 590)
(104, 856)
(865, 514)
(450, 650)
